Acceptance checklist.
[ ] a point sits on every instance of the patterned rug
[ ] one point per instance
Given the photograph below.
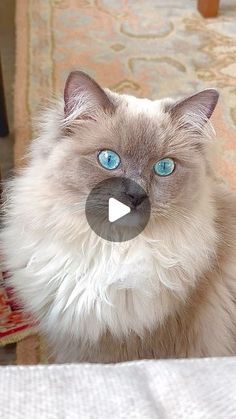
(155, 48)
(14, 323)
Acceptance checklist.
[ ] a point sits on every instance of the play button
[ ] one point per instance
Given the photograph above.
(117, 209)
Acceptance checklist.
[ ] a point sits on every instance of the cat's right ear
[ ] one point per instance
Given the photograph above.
(195, 109)
(84, 98)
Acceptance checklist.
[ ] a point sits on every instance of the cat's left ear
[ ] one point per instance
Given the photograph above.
(195, 109)
(84, 98)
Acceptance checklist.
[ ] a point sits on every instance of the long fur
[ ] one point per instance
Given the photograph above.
(170, 292)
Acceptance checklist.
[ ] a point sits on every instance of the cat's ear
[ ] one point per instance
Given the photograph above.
(195, 109)
(85, 97)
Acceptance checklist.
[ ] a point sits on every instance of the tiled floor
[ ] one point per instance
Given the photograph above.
(7, 48)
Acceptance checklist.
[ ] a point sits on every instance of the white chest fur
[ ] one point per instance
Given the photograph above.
(99, 285)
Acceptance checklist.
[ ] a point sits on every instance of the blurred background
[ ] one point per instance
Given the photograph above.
(153, 48)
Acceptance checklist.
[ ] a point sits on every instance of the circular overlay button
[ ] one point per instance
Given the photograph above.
(117, 209)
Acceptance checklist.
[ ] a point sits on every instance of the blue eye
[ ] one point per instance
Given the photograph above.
(164, 167)
(108, 159)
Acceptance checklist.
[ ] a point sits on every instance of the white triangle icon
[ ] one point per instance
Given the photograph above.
(116, 210)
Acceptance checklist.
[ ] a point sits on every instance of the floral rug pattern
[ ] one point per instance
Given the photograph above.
(153, 48)
(14, 323)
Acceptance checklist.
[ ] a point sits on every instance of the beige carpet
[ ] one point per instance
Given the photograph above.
(154, 48)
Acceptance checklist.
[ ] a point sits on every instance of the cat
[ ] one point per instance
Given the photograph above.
(168, 293)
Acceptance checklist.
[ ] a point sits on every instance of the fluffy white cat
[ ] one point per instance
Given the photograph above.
(171, 291)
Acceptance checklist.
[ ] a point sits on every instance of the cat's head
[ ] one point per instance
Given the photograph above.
(162, 144)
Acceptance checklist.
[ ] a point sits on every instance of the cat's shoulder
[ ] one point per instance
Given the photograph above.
(225, 201)
(226, 198)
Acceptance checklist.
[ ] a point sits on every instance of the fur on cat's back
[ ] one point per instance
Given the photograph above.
(169, 292)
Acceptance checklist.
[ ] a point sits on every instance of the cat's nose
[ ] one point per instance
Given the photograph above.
(135, 198)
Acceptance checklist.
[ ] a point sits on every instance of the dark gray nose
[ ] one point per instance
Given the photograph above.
(135, 199)
(134, 195)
